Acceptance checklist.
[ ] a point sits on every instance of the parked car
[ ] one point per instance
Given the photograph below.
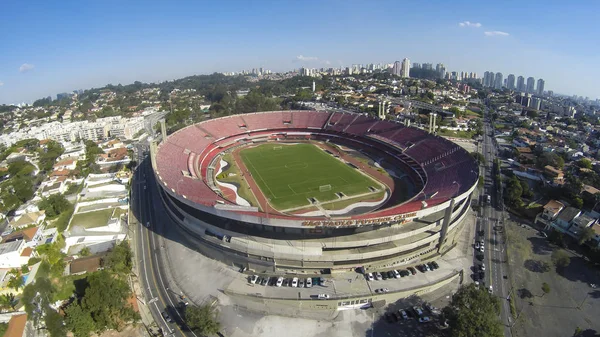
(396, 274)
(435, 264)
(391, 274)
(404, 273)
(384, 275)
(477, 245)
(166, 317)
(323, 296)
(308, 282)
(253, 279)
(491, 290)
(378, 276)
(430, 265)
(403, 314)
(279, 281)
(370, 277)
(287, 282)
(428, 306)
(412, 270)
(481, 249)
(482, 267)
(264, 281)
(382, 290)
(295, 282)
(424, 319)
(417, 311)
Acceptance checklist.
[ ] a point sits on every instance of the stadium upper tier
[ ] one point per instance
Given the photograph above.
(440, 169)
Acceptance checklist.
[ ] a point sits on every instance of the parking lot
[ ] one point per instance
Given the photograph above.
(572, 302)
(347, 284)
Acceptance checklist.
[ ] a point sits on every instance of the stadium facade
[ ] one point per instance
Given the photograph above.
(397, 234)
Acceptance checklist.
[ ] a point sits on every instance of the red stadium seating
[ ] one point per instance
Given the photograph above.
(446, 169)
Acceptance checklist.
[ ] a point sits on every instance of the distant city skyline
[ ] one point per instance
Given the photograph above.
(61, 47)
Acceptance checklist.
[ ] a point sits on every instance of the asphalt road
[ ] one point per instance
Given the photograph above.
(159, 297)
(491, 220)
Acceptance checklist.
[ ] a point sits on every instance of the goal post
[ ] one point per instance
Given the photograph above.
(278, 147)
(324, 188)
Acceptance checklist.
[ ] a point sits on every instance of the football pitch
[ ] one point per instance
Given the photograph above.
(288, 175)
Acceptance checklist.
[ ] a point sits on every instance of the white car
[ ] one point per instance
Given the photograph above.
(323, 296)
(279, 281)
(295, 282)
(491, 290)
(308, 282)
(378, 276)
(482, 267)
(370, 277)
(477, 245)
(253, 279)
(476, 284)
(396, 274)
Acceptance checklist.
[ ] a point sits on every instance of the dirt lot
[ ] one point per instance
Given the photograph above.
(571, 303)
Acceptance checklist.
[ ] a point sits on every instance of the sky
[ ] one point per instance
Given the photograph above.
(48, 47)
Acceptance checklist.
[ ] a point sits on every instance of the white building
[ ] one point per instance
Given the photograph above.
(405, 68)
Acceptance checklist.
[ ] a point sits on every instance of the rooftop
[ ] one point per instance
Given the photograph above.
(10, 247)
(553, 206)
(16, 326)
(568, 214)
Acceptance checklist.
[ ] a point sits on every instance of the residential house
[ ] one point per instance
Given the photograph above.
(554, 172)
(86, 265)
(550, 212)
(32, 236)
(17, 326)
(579, 223)
(564, 219)
(596, 228)
(27, 219)
(15, 254)
(69, 163)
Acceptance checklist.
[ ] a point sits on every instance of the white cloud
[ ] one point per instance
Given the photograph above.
(496, 33)
(25, 67)
(469, 24)
(306, 58)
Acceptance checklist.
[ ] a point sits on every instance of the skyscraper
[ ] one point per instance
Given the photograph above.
(530, 85)
(521, 84)
(405, 68)
(397, 68)
(510, 82)
(540, 87)
(486, 79)
(498, 81)
(441, 70)
(428, 66)
(492, 79)
(416, 65)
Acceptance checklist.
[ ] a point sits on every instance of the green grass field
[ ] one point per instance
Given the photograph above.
(290, 174)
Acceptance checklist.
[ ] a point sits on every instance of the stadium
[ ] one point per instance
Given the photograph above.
(314, 191)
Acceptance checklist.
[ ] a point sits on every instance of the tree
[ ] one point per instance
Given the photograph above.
(55, 324)
(54, 205)
(16, 282)
(36, 299)
(585, 163)
(586, 234)
(119, 259)
(7, 301)
(479, 157)
(560, 258)
(473, 313)
(85, 251)
(545, 288)
(52, 254)
(79, 321)
(108, 312)
(202, 320)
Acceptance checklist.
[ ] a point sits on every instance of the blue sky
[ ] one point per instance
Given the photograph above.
(48, 47)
